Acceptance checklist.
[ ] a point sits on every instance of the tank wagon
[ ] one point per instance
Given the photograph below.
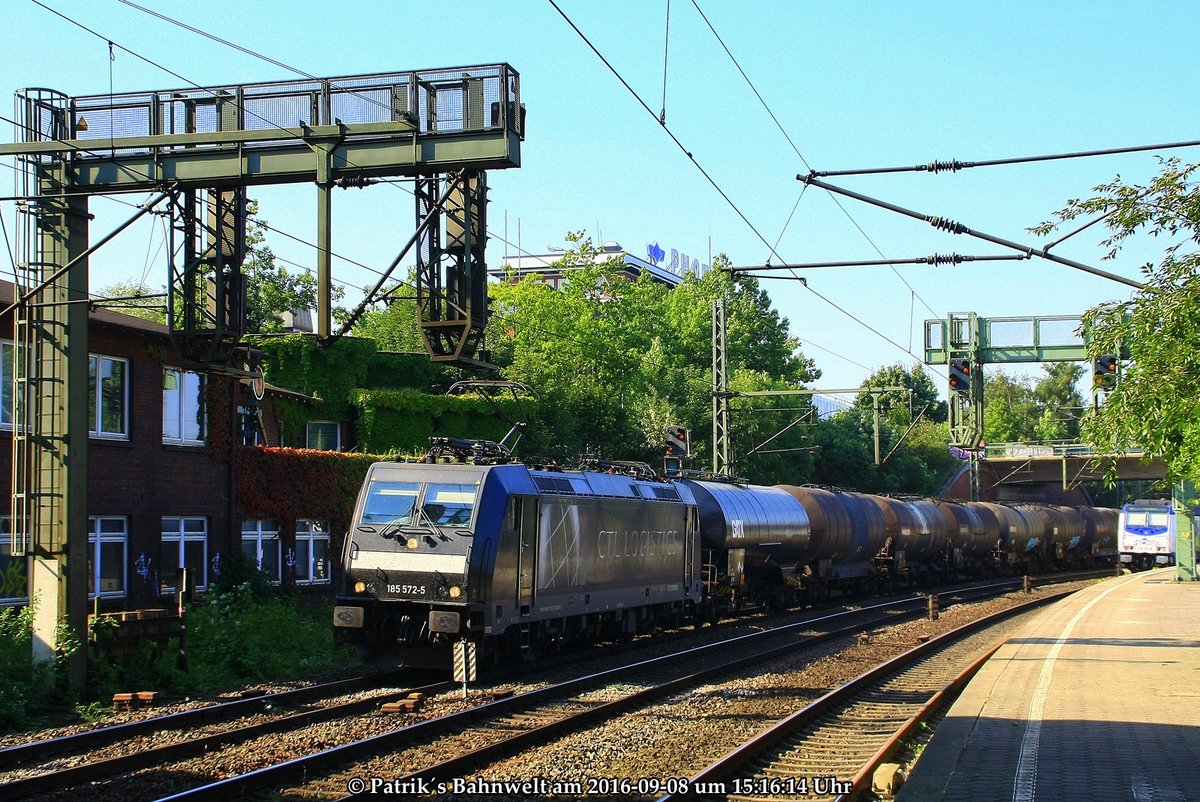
(519, 559)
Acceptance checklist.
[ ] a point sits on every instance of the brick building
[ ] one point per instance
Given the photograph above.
(161, 472)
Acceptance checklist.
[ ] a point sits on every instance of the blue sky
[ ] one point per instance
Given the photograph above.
(853, 85)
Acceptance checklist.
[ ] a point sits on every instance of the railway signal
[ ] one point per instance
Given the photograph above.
(1104, 372)
(679, 441)
(960, 376)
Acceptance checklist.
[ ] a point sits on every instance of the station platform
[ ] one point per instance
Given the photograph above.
(1097, 698)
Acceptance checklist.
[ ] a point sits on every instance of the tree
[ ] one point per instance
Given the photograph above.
(271, 290)
(1057, 395)
(627, 358)
(1021, 410)
(1155, 405)
(902, 407)
(1009, 412)
(395, 327)
(135, 298)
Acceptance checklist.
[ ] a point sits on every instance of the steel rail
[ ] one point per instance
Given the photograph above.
(302, 768)
(93, 770)
(13, 756)
(765, 742)
(861, 782)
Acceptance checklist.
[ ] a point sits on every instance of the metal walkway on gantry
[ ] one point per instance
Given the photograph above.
(199, 148)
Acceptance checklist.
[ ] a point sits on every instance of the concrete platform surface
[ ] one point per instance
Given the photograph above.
(1098, 698)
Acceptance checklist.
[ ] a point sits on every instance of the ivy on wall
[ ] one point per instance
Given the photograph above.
(330, 372)
(402, 421)
(378, 392)
(286, 484)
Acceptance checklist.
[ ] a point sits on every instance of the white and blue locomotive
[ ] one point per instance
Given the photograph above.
(520, 559)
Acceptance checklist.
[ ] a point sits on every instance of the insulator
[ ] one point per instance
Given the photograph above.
(944, 224)
(356, 181)
(952, 166)
(946, 259)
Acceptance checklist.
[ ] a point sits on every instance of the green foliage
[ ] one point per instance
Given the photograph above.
(900, 407)
(1155, 405)
(330, 372)
(26, 686)
(270, 289)
(615, 361)
(846, 455)
(16, 665)
(1020, 410)
(394, 328)
(129, 298)
(237, 635)
(402, 421)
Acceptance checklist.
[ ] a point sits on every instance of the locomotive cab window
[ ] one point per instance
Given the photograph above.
(449, 505)
(390, 503)
(1136, 517)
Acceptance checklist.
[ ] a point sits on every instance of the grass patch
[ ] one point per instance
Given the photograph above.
(242, 631)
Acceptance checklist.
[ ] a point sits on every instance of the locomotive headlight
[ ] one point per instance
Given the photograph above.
(455, 591)
(360, 587)
(412, 543)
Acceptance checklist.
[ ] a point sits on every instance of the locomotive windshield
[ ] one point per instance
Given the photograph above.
(449, 505)
(1147, 517)
(392, 503)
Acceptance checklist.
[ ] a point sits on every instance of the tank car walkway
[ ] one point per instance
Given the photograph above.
(1098, 698)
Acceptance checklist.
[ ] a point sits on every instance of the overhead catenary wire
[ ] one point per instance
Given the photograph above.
(954, 165)
(953, 227)
(305, 74)
(712, 181)
(800, 155)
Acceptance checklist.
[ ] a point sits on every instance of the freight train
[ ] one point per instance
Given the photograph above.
(468, 544)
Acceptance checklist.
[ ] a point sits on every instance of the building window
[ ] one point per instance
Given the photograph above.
(14, 571)
(184, 544)
(310, 560)
(8, 353)
(183, 407)
(106, 396)
(323, 435)
(260, 542)
(249, 426)
(107, 538)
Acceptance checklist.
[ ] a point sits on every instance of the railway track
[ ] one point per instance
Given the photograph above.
(118, 750)
(830, 749)
(123, 748)
(462, 742)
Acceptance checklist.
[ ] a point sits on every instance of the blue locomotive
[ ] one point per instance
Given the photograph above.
(468, 544)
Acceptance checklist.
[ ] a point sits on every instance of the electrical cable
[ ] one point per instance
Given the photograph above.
(230, 44)
(954, 165)
(779, 125)
(713, 182)
(674, 138)
(662, 115)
